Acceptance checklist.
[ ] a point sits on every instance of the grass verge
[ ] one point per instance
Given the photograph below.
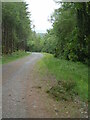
(14, 56)
(72, 78)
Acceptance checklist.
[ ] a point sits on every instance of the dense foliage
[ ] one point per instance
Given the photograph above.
(70, 35)
(35, 44)
(15, 26)
(68, 39)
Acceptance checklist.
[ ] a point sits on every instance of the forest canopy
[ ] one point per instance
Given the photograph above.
(70, 34)
(16, 26)
(68, 39)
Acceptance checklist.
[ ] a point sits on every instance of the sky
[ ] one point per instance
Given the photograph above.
(40, 12)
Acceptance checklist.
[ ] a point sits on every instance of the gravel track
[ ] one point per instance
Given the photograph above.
(15, 78)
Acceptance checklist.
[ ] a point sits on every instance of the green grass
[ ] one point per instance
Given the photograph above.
(13, 56)
(67, 71)
(0, 61)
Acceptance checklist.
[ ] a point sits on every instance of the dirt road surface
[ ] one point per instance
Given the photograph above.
(24, 93)
(15, 82)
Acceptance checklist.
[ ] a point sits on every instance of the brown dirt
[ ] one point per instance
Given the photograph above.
(45, 106)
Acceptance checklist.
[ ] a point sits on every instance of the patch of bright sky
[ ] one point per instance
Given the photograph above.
(40, 12)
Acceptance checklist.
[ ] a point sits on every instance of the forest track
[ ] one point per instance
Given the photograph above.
(24, 92)
(15, 77)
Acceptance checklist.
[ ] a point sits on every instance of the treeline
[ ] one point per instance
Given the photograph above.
(16, 26)
(69, 38)
(35, 44)
(70, 35)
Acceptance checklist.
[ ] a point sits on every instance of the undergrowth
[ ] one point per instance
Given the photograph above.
(72, 77)
(13, 56)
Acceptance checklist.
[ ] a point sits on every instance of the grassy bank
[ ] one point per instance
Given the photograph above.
(13, 56)
(0, 61)
(73, 77)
